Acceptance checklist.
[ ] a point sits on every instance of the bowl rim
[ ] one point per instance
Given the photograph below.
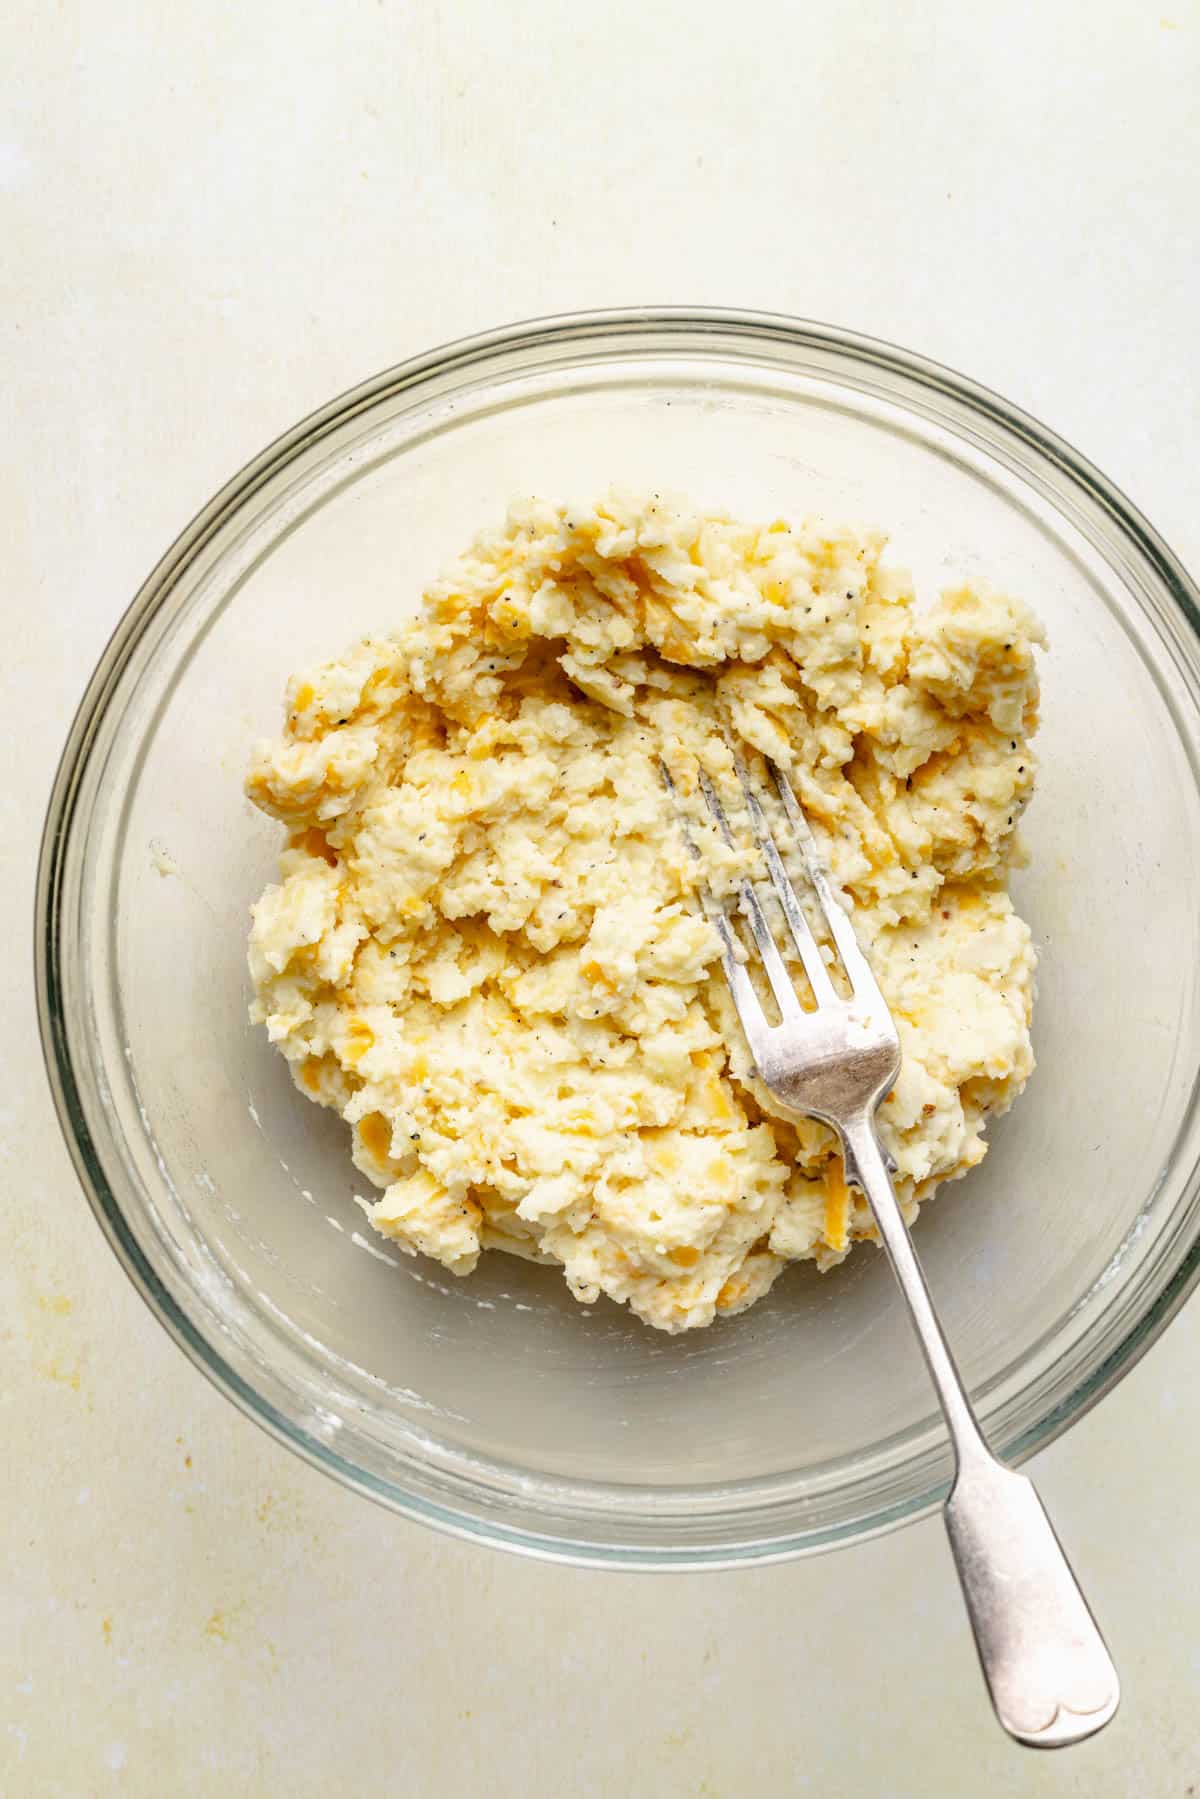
(675, 324)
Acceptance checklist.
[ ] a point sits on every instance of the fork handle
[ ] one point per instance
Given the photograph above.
(1049, 1674)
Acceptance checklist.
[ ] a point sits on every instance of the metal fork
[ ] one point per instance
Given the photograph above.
(1050, 1676)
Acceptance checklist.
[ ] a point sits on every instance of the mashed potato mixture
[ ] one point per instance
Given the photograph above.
(487, 951)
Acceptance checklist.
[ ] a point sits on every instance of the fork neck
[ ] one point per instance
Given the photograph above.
(865, 1165)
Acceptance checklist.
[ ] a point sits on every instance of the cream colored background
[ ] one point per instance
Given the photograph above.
(213, 217)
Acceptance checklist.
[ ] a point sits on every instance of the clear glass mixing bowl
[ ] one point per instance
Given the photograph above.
(496, 1406)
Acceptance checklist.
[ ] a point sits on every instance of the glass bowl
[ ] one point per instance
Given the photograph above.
(497, 1407)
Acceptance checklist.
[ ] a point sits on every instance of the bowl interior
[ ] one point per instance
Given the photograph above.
(498, 1397)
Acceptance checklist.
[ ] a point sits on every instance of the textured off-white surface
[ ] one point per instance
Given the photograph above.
(214, 218)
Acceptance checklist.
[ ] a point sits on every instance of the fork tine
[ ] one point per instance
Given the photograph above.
(862, 981)
(741, 987)
(807, 946)
(774, 964)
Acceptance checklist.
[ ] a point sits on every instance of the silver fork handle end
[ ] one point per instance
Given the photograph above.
(1049, 1673)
